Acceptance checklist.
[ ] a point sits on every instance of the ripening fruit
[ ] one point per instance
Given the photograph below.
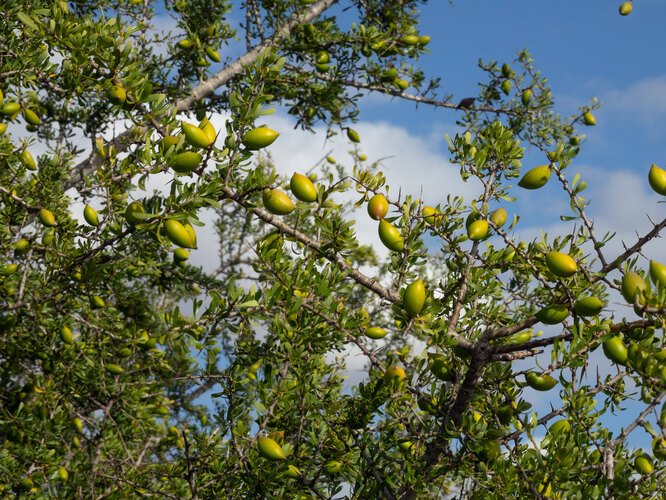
(424, 40)
(588, 306)
(625, 8)
(195, 136)
(28, 160)
(390, 236)
(114, 369)
(277, 202)
(130, 213)
(394, 373)
(270, 449)
(178, 234)
(506, 70)
(442, 369)
(46, 217)
(540, 382)
(658, 273)
(526, 97)
(9, 108)
(378, 207)
(258, 138)
(168, 141)
(560, 264)
(77, 424)
(208, 129)
(2, 98)
(97, 302)
(506, 87)
(31, 117)
(3, 128)
(560, 426)
(477, 230)
(642, 463)
(615, 350)
(535, 178)
(498, 217)
(116, 95)
(302, 188)
(552, 315)
(375, 333)
(431, 216)
(90, 215)
(588, 119)
(8, 270)
(322, 57)
(213, 54)
(414, 298)
(353, 135)
(293, 472)
(185, 163)
(659, 448)
(632, 286)
(21, 247)
(180, 254)
(657, 179)
(63, 475)
(26, 483)
(332, 467)
(184, 43)
(66, 335)
(401, 84)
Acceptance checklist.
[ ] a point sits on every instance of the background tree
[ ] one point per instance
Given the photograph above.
(102, 373)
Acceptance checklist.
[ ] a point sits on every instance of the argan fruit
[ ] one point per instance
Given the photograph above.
(642, 463)
(130, 213)
(498, 217)
(277, 202)
(552, 315)
(375, 333)
(63, 474)
(168, 141)
(322, 57)
(180, 254)
(625, 8)
(270, 449)
(332, 467)
(632, 286)
(394, 373)
(559, 427)
(504, 413)
(658, 273)
(184, 43)
(414, 298)
(535, 178)
(588, 306)
(2, 98)
(378, 207)
(31, 117)
(506, 87)
(97, 302)
(526, 97)
(560, 264)
(292, 472)
(3, 128)
(410, 39)
(588, 119)
(431, 216)
(389, 75)
(195, 136)
(478, 230)
(185, 163)
(390, 236)
(8, 270)
(90, 215)
(178, 235)
(114, 369)
(25, 483)
(66, 335)
(213, 54)
(208, 129)
(48, 237)
(10, 108)
(442, 369)
(77, 424)
(116, 95)
(659, 448)
(353, 135)
(28, 160)
(424, 40)
(506, 70)
(540, 382)
(191, 233)
(258, 138)
(401, 84)
(615, 350)
(46, 217)
(657, 179)
(302, 188)
(21, 247)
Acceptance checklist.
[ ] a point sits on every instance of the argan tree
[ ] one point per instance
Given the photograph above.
(127, 369)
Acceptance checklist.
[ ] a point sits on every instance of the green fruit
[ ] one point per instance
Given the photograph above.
(552, 315)
(195, 136)
(442, 369)
(633, 286)
(657, 179)
(659, 448)
(389, 75)
(31, 117)
(46, 217)
(270, 449)
(490, 451)
(178, 234)
(560, 264)
(410, 39)
(498, 217)
(184, 43)
(540, 382)
(322, 57)
(208, 129)
(353, 135)
(9, 108)
(28, 160)
(625, 8)
(588, 306)
(66, 335)
(292, 472)
(588, 119)
(3, 128)
(615, 350)
(116, 95)
(390, 236)
(25, 483)
(535, 178)
(90, 215)
(559, 427)
(478, 230)
(333, 467)
(526, 97)
(63, 474)
(401, 84)
(2, 97)
(21, 247)
(643, 463)
(658, 273)
(97, 302)
(131, 212)
(424, 40)
(302, 188)
(213, 54)
(259, 138)
(48, 237)
(378, 207)
(506, 70)
(277, 202)
(406, 446)
(180, 254)
(185, 163)
(114, 369)
(168, 141)
(394, 373)
(414, 298)
(506, 87)
(431, 216)
(8, 270)
(375, 333)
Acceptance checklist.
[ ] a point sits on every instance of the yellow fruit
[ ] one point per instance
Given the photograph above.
(375, 333)
(26, 483)
(193, 235)
(116, 95)
(353, 135)
(625, 8)
(178, 234)
(28, 160)
(168, 141)
(332, 467)
(378, 207)
(551, 315)
(322, 57)
(208, 129)
(394, 373)
(180, 254)
(259, 138)
(184, 163)
(8, 270)
(424, 40)
(277, 202)
(302, 188)
(90, 215)
(66, 335)
(526, 97)
(21, 247)
(632, 286)
(31, 117)
(498, 217)
(292, 472)
(615, 350)
(657, 179)
(97, 302)
(410, 39)
(63, 475)
(535, 178)
(588, 119)
(540, 382)
(414, 298)
(643, 463)
(478, 230)
(184, 43)
(560, 426)
(213, 54)
(560, 264)
(131, 212)
(390, 236)
(431, 216)
(10, 108)
(270, 449)
(114, 369)
(401, 84)
(588, 306)
(658, 273)
(2, 98)
(3, 128)
(195, 136)
(46, 217)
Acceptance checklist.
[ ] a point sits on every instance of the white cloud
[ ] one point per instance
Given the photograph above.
(644, 100)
